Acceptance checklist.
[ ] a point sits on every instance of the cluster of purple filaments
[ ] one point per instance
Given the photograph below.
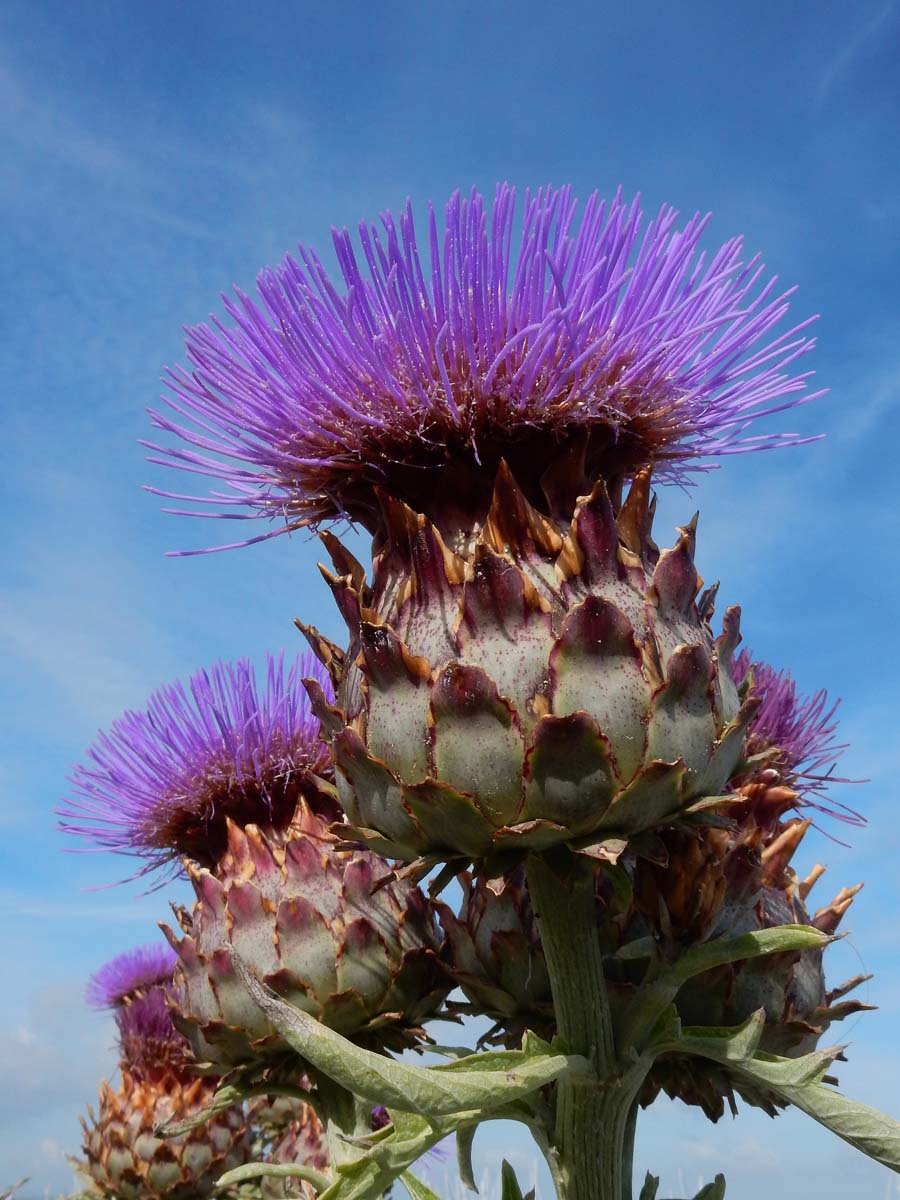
(130, 974)
(197, 749)
(609, 322)
(801, 732)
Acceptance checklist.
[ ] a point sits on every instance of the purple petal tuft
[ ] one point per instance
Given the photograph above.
(610, 329)
(161, 783)
(801, 732)
(129, 974)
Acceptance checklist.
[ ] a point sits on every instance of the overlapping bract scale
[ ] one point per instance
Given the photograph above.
(306, 918)
(126, 1159)
(549, 680)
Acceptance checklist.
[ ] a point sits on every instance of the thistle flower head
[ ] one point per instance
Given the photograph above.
(613, 339)
(148, 1040)
(130, 975)
(162, 783)
(137, 985)
(797, 733)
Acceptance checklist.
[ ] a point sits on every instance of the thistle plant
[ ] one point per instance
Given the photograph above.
(531, 697)
(124, 1158)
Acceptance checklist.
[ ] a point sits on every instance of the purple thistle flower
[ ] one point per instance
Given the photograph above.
(148, 1039)
(131, 974)
(620, 337)
(137, 985)
(799, 732)
(161, 783)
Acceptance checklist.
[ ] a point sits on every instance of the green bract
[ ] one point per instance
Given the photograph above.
(303, 914)
(548, 680)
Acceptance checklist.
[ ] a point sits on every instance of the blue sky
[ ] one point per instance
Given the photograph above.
(154, 154)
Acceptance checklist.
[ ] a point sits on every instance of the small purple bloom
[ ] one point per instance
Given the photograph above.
(137, 985)
(799, 732)
(161, 783)
(618, 336)
(148, 1039)
(131, 974)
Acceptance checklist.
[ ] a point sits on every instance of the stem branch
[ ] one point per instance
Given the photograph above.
(594, 1125)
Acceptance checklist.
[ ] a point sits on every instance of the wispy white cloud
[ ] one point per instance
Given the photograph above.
(846, 59)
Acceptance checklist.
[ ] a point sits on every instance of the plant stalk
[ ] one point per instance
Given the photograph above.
(594, 1124)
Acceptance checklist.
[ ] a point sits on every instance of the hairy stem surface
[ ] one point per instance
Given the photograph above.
(594, 1125)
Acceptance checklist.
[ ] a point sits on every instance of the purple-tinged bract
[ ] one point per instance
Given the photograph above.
(798, 732)
(161, 783)
(502, 341)
(130, 975)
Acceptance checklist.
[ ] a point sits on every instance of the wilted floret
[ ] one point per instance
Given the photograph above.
(161, 783)
(500, 343)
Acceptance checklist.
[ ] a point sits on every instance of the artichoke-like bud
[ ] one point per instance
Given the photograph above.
(302, 1142)
(127, 1160)
(303, 914)
(553, 680)
(124, 1157)
(497, 957)
(229, 776)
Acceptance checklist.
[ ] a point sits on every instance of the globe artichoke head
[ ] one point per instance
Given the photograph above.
(303, 914)
(301, 1142)
(497, 957)
(552, 679)
(125, 1158)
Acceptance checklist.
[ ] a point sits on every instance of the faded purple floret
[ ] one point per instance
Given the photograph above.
(161, 783)
(497, 342)
(131, 974)
(799, 731)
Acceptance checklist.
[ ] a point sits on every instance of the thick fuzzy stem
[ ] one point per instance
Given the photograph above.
(593, 1112)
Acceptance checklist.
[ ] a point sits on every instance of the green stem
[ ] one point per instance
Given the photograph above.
(594, 1125)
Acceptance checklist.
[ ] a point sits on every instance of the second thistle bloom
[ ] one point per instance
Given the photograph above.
(230, 777)
(124, 1156)
(161, 783)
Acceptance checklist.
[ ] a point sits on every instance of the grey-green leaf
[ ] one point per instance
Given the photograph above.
(482, 1081)
(510, 1189)
(659, 991)
(258, 1170)
(874, 1133)
(755, 944)
(416, 1188)
(651, 1184)
(713, 1191)
(799, 1082)
(226, 1097)
(464, 1140)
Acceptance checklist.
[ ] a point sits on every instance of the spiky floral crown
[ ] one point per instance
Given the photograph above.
(161, 783)
(617, 339)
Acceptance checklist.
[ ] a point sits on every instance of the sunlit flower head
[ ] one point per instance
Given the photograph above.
(614, 338)
(160, 783)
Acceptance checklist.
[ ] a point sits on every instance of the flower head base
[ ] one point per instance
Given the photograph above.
(616, 340)
(795, 735)
(162, 783)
